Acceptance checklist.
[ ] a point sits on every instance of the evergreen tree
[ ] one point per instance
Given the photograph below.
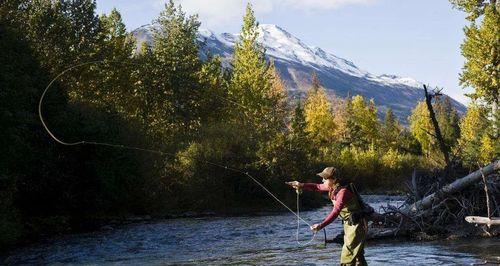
(298, 123)
(408, 144)
(390, 130)
(259, 96)
(352, 129)
(372, 123)
(299, 139)
(251, 81)
(300, 152)
(176, 70)
(448, 120)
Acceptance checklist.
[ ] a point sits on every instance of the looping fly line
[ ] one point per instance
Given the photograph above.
(121, 146)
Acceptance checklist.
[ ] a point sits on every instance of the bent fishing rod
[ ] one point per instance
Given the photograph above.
(159, 152)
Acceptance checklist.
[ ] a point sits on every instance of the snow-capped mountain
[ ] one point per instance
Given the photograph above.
(296, 61)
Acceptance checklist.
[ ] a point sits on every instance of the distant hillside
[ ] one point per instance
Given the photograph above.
(296, 62)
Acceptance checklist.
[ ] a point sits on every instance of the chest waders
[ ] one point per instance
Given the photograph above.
(354, 234)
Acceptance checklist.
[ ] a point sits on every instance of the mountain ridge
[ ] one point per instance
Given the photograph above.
(296, 61)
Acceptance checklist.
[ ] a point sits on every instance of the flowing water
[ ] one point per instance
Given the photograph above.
(244, 240)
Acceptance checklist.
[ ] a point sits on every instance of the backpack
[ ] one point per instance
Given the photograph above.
(366, 210)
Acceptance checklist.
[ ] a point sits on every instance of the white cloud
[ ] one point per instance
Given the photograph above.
(321, 5)
(220, 12)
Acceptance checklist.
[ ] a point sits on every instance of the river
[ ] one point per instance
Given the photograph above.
(244, 240)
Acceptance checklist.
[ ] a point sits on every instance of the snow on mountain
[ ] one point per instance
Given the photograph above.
(392, 79)
(296, 61)
(282, 45)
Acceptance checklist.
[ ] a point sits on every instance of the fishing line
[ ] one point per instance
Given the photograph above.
(121, 146)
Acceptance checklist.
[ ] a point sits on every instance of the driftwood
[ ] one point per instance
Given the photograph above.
(454, 187)
(488, 221)
(435, 213)
(483, 220)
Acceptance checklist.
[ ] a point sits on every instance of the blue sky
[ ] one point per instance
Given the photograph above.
(418, 39)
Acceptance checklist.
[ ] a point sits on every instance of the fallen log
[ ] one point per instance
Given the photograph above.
(375, 233)
(483, 220)
(451, 188)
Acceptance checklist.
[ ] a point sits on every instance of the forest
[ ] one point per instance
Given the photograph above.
(165, 98)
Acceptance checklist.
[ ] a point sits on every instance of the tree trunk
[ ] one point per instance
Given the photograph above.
(439, 136)
(494, 52)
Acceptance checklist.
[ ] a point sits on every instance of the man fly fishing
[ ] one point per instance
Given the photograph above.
(349, 206)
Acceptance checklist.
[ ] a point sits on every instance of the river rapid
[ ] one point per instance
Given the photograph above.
(244, 240)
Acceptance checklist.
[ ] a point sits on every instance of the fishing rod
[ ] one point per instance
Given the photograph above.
(160, 152)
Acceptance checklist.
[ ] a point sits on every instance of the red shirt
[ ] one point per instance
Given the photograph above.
(340, 197)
